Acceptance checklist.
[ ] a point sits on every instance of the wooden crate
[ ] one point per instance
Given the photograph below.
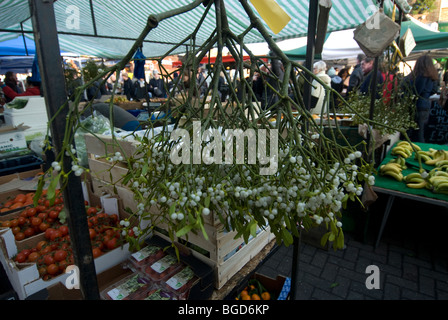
(99, 147)
(243, 254)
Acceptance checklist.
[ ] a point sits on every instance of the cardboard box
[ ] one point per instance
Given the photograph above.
(203, 289)
(278, 288)
(12, 138)
(25, 278)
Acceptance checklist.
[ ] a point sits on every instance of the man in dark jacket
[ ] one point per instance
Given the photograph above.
(127, 86)
(357, 76)
(367, 68)
(157, 86)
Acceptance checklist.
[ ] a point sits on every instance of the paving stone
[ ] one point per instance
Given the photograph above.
(319, 294)
(351, 253)
(413, 271)
(308, 268)
(341, 287)
(414, 295)
(395, 258)
(392, 292)
(427, 286)
(319, 259)
(441, 295)
(329, 272)
(360, 287)
(402, 283)
(304, 291)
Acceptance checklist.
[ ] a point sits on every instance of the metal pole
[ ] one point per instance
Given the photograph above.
(311, 41)
(53, 85)
(312, 26)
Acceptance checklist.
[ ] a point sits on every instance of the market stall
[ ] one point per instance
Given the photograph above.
(241, 232)
(428, 191)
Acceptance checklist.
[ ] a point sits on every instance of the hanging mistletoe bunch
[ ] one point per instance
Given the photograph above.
(254, 160)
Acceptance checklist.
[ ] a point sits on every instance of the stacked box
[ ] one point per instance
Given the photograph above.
(221, 251)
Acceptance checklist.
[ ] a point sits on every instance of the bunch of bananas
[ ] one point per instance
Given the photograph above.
(438, 180)
(434, 157)
(400, 161)
(415, 181)
(404, 149)
(392, 169)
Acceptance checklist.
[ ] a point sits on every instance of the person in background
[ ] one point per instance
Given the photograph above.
(367, 69)
(223, 87)
(11, 81)
(32, 89)
(357, 76)
(156, 85)
(318, 90)
(422, 82)
(337, 83)
(201, 82)
(127, 86)
(140, 90)
(174, 81)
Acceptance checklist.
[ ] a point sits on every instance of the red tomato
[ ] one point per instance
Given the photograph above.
(91, 211)
(26, 252)
(53, 214)
(65, 246)
(33, 256)
(49, 232)
(21, 220)
(63, 265)
(19, 236)
(35, 221)
(92, 233)
(41, 208)
(42, 271)
(44, 226)
(98, 244)
(29, 232)
(20, 257)
(45, 250)
(106, 239)
(60, 255)
(15, 230)
(96, 252)
(112, 244)
(52, 269)
(64, 230)
(42, 215)
(41, 244)
(31, 212)
(14, 223)
(110, 232)
(93, 220)
(55, 235)
(48, 259)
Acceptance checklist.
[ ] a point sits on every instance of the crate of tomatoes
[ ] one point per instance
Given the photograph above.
(40, 261)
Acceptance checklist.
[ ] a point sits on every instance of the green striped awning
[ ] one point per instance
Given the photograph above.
(107, 29)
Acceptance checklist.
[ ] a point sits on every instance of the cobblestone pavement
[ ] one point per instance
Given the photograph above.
(412, 259)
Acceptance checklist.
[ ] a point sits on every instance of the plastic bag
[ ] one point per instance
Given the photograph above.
(97, 123)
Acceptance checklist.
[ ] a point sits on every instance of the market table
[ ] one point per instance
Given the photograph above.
(394, 188)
